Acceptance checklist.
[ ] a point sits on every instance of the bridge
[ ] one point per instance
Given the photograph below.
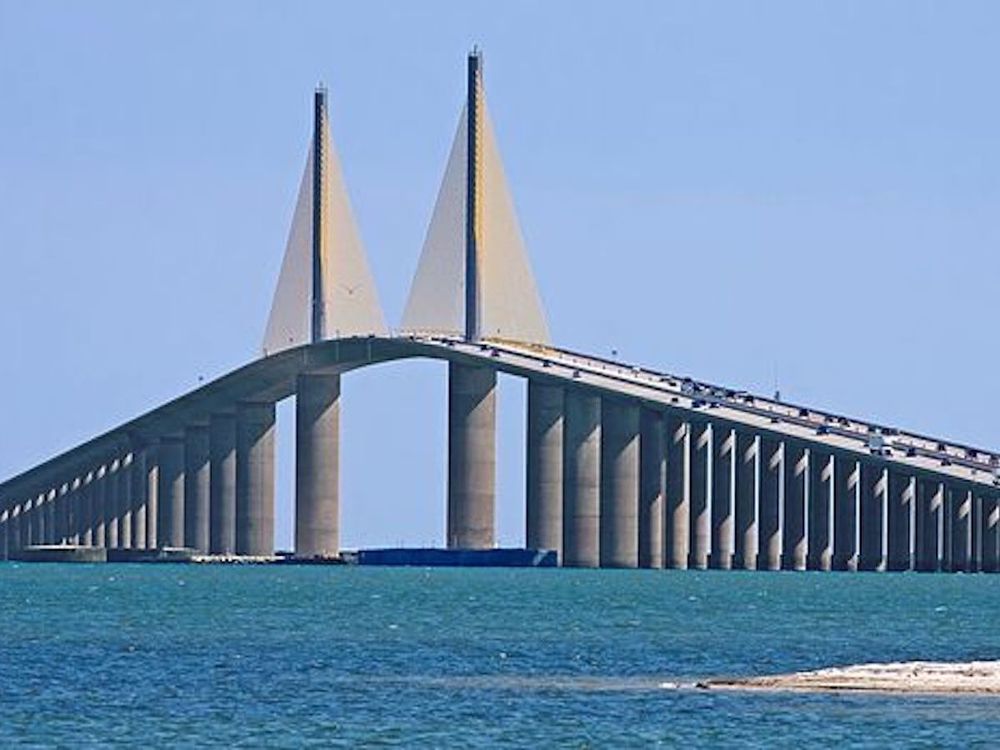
(627, 466)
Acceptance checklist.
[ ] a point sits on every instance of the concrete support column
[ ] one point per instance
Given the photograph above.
(772, 496)
(74, 533)
(87, 515)
(98, 499)
(255, 479)
(874, 516)
(317, 465)
(846, 512)
(125, 502)
(152, 495)
(38, 518)
(49, 537)
(795, 526)
(222, 484)
(170, 492)
(42, 530)
(619, 523)
(196, 488)
(652, 488)
(820, 513)
(902, 521)
(62, 513)
(14, 527)
(471, 456)
(700, 445)
(991, 534)
(976, 556)
(747, 500)
(544, 492)
(929, 525)
(582, 479)
(112, 507)
(139, 483)
(26, 522)
(41, 511)
(49, 512)
(34, 518)
(4, 528)
(960, 501)
(723, 497)
(678, 523)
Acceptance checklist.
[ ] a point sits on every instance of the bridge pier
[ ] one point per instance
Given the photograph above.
(544, 494)
(38, 512)
(471, 456)
(874, 516)
(72, 511)
(795, 521)
(52, 512)
(581, 479)
(317, 465)
(222, 484)
(991, 534)
(58, 514)
(138, 482)
(960, 507)
(28, 521)
(152, 495)
(846, 513)
(24, 524)
(41, 517)
(976, 556)
(771, 508)
(677, 434)
(112, 512)
(819, 554)
(901, 518)
(170, 492)
(929, 526)
(652, 488)
(723, 506)
(747, 500)
(99, 510)
(619, 519)
(86, 506)
(197, 490)
(700, 492)
(125, 502)
(255, 479)
(14, 527)
(44, 515)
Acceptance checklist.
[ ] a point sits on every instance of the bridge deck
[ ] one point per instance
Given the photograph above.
(273, 378)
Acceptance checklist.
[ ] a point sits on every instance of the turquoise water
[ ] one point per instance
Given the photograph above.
(287, 657)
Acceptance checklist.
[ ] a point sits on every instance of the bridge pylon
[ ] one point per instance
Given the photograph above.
(325, 289)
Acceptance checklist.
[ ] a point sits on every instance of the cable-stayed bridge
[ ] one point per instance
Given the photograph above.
(627, 467)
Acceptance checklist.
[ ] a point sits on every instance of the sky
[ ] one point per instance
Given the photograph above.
(796, 195)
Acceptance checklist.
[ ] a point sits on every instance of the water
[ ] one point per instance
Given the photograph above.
(289, 657)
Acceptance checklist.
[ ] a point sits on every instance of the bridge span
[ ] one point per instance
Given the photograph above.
(626, 466)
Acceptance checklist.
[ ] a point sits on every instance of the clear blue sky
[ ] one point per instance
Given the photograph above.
(745, 192)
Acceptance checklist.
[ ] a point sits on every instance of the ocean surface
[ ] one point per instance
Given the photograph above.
(234, 656)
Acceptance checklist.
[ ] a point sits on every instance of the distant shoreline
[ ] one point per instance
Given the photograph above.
(915, 677)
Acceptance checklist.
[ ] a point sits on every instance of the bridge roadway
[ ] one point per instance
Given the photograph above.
(626, 467)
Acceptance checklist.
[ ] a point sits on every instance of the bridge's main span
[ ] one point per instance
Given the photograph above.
(625, 467)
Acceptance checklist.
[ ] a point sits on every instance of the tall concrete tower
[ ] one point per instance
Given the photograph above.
(320, 136)
(474, 279)
(473, 127)
(325, 289)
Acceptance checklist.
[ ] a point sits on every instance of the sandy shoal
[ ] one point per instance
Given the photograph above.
(974, 677)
